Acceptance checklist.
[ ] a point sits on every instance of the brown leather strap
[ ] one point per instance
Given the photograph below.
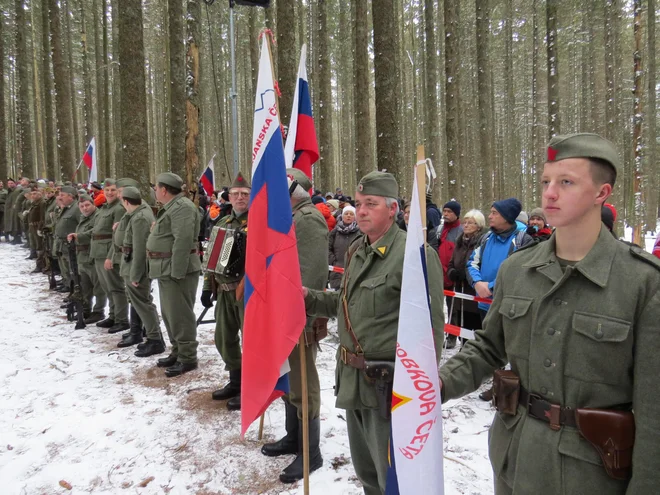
(228, 287)
(84, 247)
(156, 254)
(539, 408)
(101, 237)
(344, 301)
(354, 360)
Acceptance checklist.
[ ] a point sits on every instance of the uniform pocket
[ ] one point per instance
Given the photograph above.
(503, 440)
(374, 294)
(517, 323)
(600, 349)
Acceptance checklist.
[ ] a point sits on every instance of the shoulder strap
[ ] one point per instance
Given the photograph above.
(349, 327)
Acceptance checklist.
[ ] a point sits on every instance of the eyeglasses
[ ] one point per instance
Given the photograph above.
(469, 222)
(241, 194)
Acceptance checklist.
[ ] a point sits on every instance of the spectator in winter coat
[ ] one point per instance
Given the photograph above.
(338, 241)
(464, 313)
(451, 230)
(521, 221)
(433, 215)
(538, 229)
(97, 194)
(321, 206)
(431, 233)
(656, 247)
(608, 217)
(333, 206)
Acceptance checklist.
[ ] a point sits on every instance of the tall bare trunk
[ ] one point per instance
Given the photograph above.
(452, 68)
(653, 184)
(4, 172)
(638, 116)
(553, 68)
(193, 16)
(177, 121)
(23, 57)
(50, 142)
(326, 163)
(487, 155)
(287, 57)
(362, 117)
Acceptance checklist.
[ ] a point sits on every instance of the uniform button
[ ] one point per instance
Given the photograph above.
(557, 302)
(544, 390)
(512, 312)
(551, 331)
(547, 363)
(599, 334)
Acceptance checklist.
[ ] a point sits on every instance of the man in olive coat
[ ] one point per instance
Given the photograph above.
(371, 288)
(174, 261)
(134, 270)
(229, 309)
(4, 192)
(12, 223)
(36, 223)
(577, 318)
(66, 224)
(113, 285)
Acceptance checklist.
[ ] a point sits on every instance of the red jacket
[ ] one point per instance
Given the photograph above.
(448, 235)
(99, 199)
(656, 247)
(329, 219)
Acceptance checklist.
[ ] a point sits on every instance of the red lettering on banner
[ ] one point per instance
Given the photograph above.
(409, 363)
(273, 111)
(417, 374)
(261, 137)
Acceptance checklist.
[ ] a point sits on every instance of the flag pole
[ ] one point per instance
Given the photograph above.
(420, 171)
(305, 412)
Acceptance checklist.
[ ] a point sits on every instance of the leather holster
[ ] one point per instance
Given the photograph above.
(506, 391)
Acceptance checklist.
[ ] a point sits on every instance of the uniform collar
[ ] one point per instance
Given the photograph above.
(172, 201)
(595, 266)
(382, 246)
(242, 217)
(304, 202)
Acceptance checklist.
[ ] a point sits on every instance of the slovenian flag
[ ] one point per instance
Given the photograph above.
(208, 178)
(416, 440)
(89, 159)
(274, 305)
(302, 147)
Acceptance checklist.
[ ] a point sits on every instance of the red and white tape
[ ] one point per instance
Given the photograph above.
(463, 333)
(336, 269)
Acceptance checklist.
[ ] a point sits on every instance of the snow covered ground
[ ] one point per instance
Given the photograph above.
(77, 411)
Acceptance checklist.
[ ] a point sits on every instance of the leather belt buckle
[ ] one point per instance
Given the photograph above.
(541, 409)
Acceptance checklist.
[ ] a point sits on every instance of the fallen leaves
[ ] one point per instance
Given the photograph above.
(66, 484)
(146, 481)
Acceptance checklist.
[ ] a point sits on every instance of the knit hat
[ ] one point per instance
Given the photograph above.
(509, 208)
(240, 181)
(379, 184)
(96, 185)
(607, 217)
(454, 206)
(522, 217)
(583, 145)
(612, 209)
(299, 176)
(334, 203)
(348, 208)
(317, 199)
(538, 212)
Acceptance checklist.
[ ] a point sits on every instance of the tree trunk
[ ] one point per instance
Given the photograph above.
(193, 16)
(651, 131)
(177, 121)
(23, 57)
(133, 107)
(362, 118)
(388, 137)
(77, 146)
(537, 157)
(40, 167)
(287, 58)
(62, 80)
(452, 68)
(50, 142)
(432, 133)
(326, 162)
(487, 155)
(88, 108)
(638, 117)
(553, 68)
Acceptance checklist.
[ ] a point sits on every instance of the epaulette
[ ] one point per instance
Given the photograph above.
(645, 256)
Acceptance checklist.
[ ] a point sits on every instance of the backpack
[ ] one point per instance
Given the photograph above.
(516, 243)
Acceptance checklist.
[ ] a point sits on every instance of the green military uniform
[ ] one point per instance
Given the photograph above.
(66, 224)
(36, 223)
(174, 261)
(579, 335)
(372, 288)
(134, 267)
(89, 279)
(3, 200)
(11, 220)
(23, 215)
(101, 249)
(51, 214)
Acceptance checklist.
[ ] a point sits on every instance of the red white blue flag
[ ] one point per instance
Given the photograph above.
(89, 159)
(416, 440)
(274, 305)
(208, 178)
(302, 147)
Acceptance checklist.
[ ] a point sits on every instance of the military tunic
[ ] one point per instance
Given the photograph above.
(229, 311)
(373, 292)
(35, 221)
(3, 200)
(66, 224)
(174, 261)
(585, 335)
(89, 279)
(11, 220)
(102, 237)
(134, 267)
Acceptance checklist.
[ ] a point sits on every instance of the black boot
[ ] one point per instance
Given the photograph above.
(179, 368)
(119, 327)
(17, 239)
(288, 444)
(232, 389)
(234, 404)
(294, 471)
(150, 347)
(135, 335)
(94, 318)
(107, 323)
(167, 362)
(33, 256)
(133, 339)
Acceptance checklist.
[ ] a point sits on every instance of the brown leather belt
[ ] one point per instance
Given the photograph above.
(353, 360)
(80, 248)
(125, 249)
(228, 287)
(156, 254)
(101, 237)
(539, 408)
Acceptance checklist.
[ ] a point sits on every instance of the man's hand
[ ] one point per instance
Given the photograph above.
(206, 298)
(135, 284)
(72, 236)
(482, 289)
(107, 265)
(305, 291)
(114, 226)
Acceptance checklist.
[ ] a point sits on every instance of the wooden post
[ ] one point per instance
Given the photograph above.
(261, 427)
(305, 412)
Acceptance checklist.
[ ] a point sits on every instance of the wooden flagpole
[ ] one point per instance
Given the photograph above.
(420, 170)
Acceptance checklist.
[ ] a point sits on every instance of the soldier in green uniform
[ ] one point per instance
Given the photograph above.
(367, 310)
(23, 215)
(12, 226)
(89, 280)
(113, 285)
(51, 213)
(577, 318)
(36, 223)
(174, 261)
(134, 271)
(4, 192)
(65, 225)
(229, 308)
(312, 241)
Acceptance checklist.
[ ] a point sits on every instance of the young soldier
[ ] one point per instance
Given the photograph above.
(577, 318)
(174, 261)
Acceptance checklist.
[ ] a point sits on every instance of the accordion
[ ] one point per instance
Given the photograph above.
(225, 253)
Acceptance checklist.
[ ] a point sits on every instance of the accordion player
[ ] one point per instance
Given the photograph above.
(225, 254)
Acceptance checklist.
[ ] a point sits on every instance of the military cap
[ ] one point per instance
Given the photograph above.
(85, 197)
(126, 182)
(240, 181)
(300, 177)
(130, 192)
(379, 184)
(109, 182)
(583, 145)
(69, 190)
(170, 179)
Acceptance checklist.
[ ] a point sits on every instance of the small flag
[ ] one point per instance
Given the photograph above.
(208, 178)
(416, 439)
(302, 147)
(89, 159)
(274, 305)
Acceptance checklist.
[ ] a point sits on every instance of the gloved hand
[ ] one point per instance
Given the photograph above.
(206, 298)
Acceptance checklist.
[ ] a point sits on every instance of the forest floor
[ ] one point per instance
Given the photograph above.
(79, 415)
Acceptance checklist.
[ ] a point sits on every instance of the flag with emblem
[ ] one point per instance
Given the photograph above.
(302, 147)
(274, 305)
(208, 178)
(416, 440)
(89, 159)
